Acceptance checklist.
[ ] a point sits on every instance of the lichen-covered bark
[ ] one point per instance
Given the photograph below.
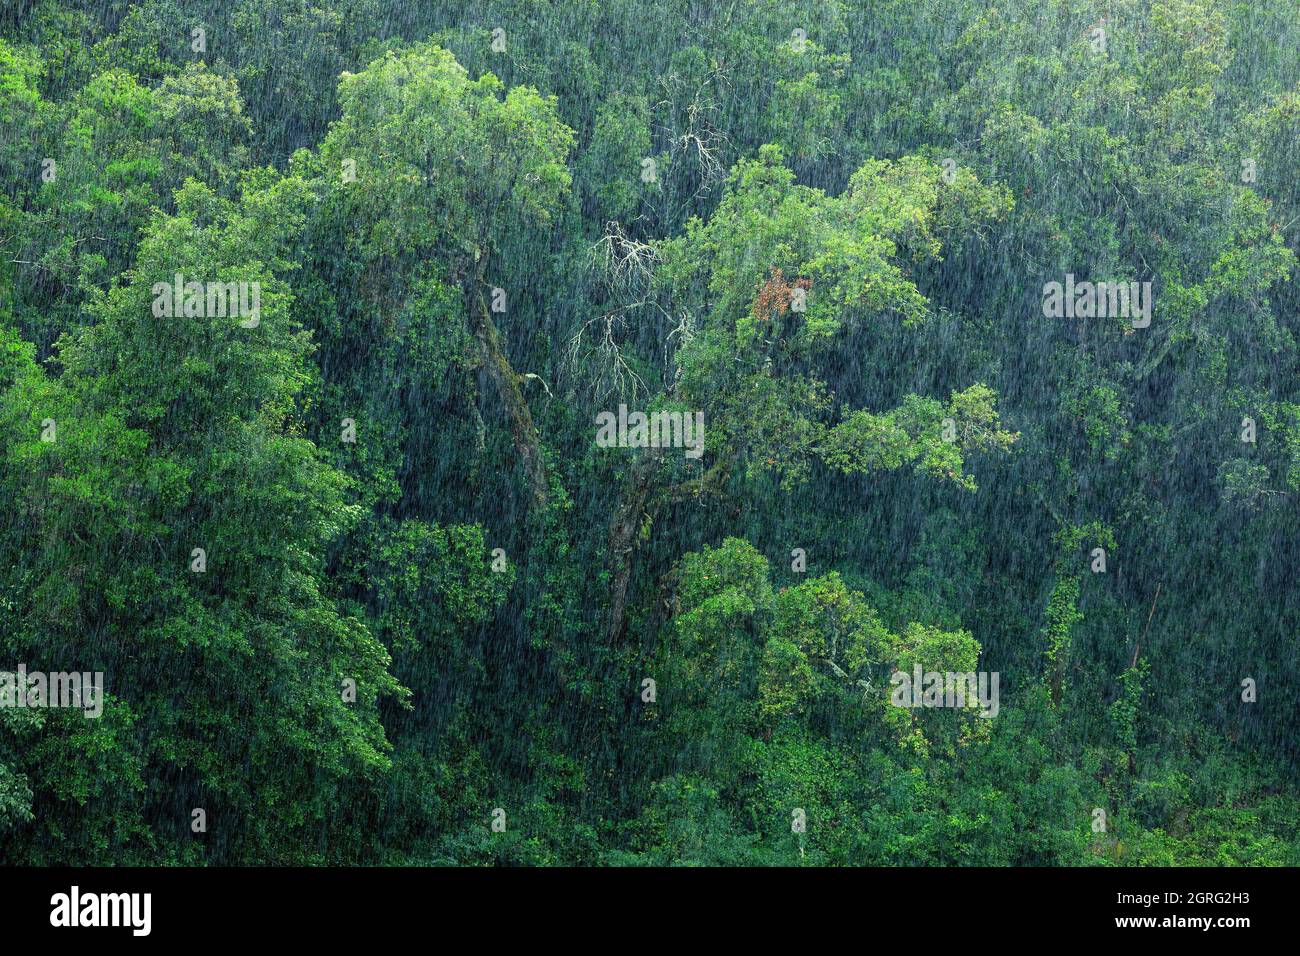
(506, 381)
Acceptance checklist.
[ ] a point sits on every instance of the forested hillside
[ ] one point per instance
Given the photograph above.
(552, 431)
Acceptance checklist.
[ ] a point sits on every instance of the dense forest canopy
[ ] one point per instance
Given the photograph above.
(556, 431)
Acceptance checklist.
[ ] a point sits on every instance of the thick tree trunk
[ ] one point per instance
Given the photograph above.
(506, 381)
(635, 505)
(622, 535)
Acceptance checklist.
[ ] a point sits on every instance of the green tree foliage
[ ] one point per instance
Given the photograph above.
(364, 587)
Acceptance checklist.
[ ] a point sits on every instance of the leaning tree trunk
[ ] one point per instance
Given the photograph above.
(506, 381)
